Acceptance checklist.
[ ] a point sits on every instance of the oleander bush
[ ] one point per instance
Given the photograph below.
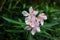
(12, 21)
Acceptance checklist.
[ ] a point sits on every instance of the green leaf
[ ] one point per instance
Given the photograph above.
(1, 24)
(10, 6)
(52, 10)
(14, 31)
(47, 34)
(24, 6)
(47, 8)
(20, 20)
(50, 24)
(30, 37)
(1, 6)
(19, 26)
(16, 4)
(12, 21)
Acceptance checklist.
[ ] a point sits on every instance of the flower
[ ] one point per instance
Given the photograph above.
(41, 17)
(34, 29)
(30, 17)
(32, 21)
(31, 12)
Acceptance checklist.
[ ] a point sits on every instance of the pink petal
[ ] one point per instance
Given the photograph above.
(42, 22)
(35, 12)
(28, 27)
(43, 16)
(25, 13)
(33, 31)
(38, 29)
(30, 10)
(32, 25)
(27, 20)
(33, 18)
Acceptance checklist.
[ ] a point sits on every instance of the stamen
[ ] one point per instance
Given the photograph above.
(30, 21)
(30, 14)
(38, 17)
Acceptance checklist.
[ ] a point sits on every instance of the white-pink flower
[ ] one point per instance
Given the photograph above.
(41, 17)
(30, 17)
(32, 21)
(31, 12)
(34, 29)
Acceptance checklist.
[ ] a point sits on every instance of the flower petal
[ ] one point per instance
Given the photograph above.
(35, 12)
(33, 31)
(45, 17)
(30, 10)
(27, 20)
(42, 22)
(32, 25)
(25, 13)
(28, 27)
(38, 29)
(42, 14)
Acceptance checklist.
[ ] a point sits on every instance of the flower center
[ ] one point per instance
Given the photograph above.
(38, 17)
(30, 21)
(30, 14)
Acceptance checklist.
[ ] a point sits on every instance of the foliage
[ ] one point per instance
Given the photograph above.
(12, 21)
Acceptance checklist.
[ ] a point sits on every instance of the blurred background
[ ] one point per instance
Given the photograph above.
(12, 21)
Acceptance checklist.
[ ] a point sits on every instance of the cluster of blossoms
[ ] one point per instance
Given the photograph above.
(32, 21)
